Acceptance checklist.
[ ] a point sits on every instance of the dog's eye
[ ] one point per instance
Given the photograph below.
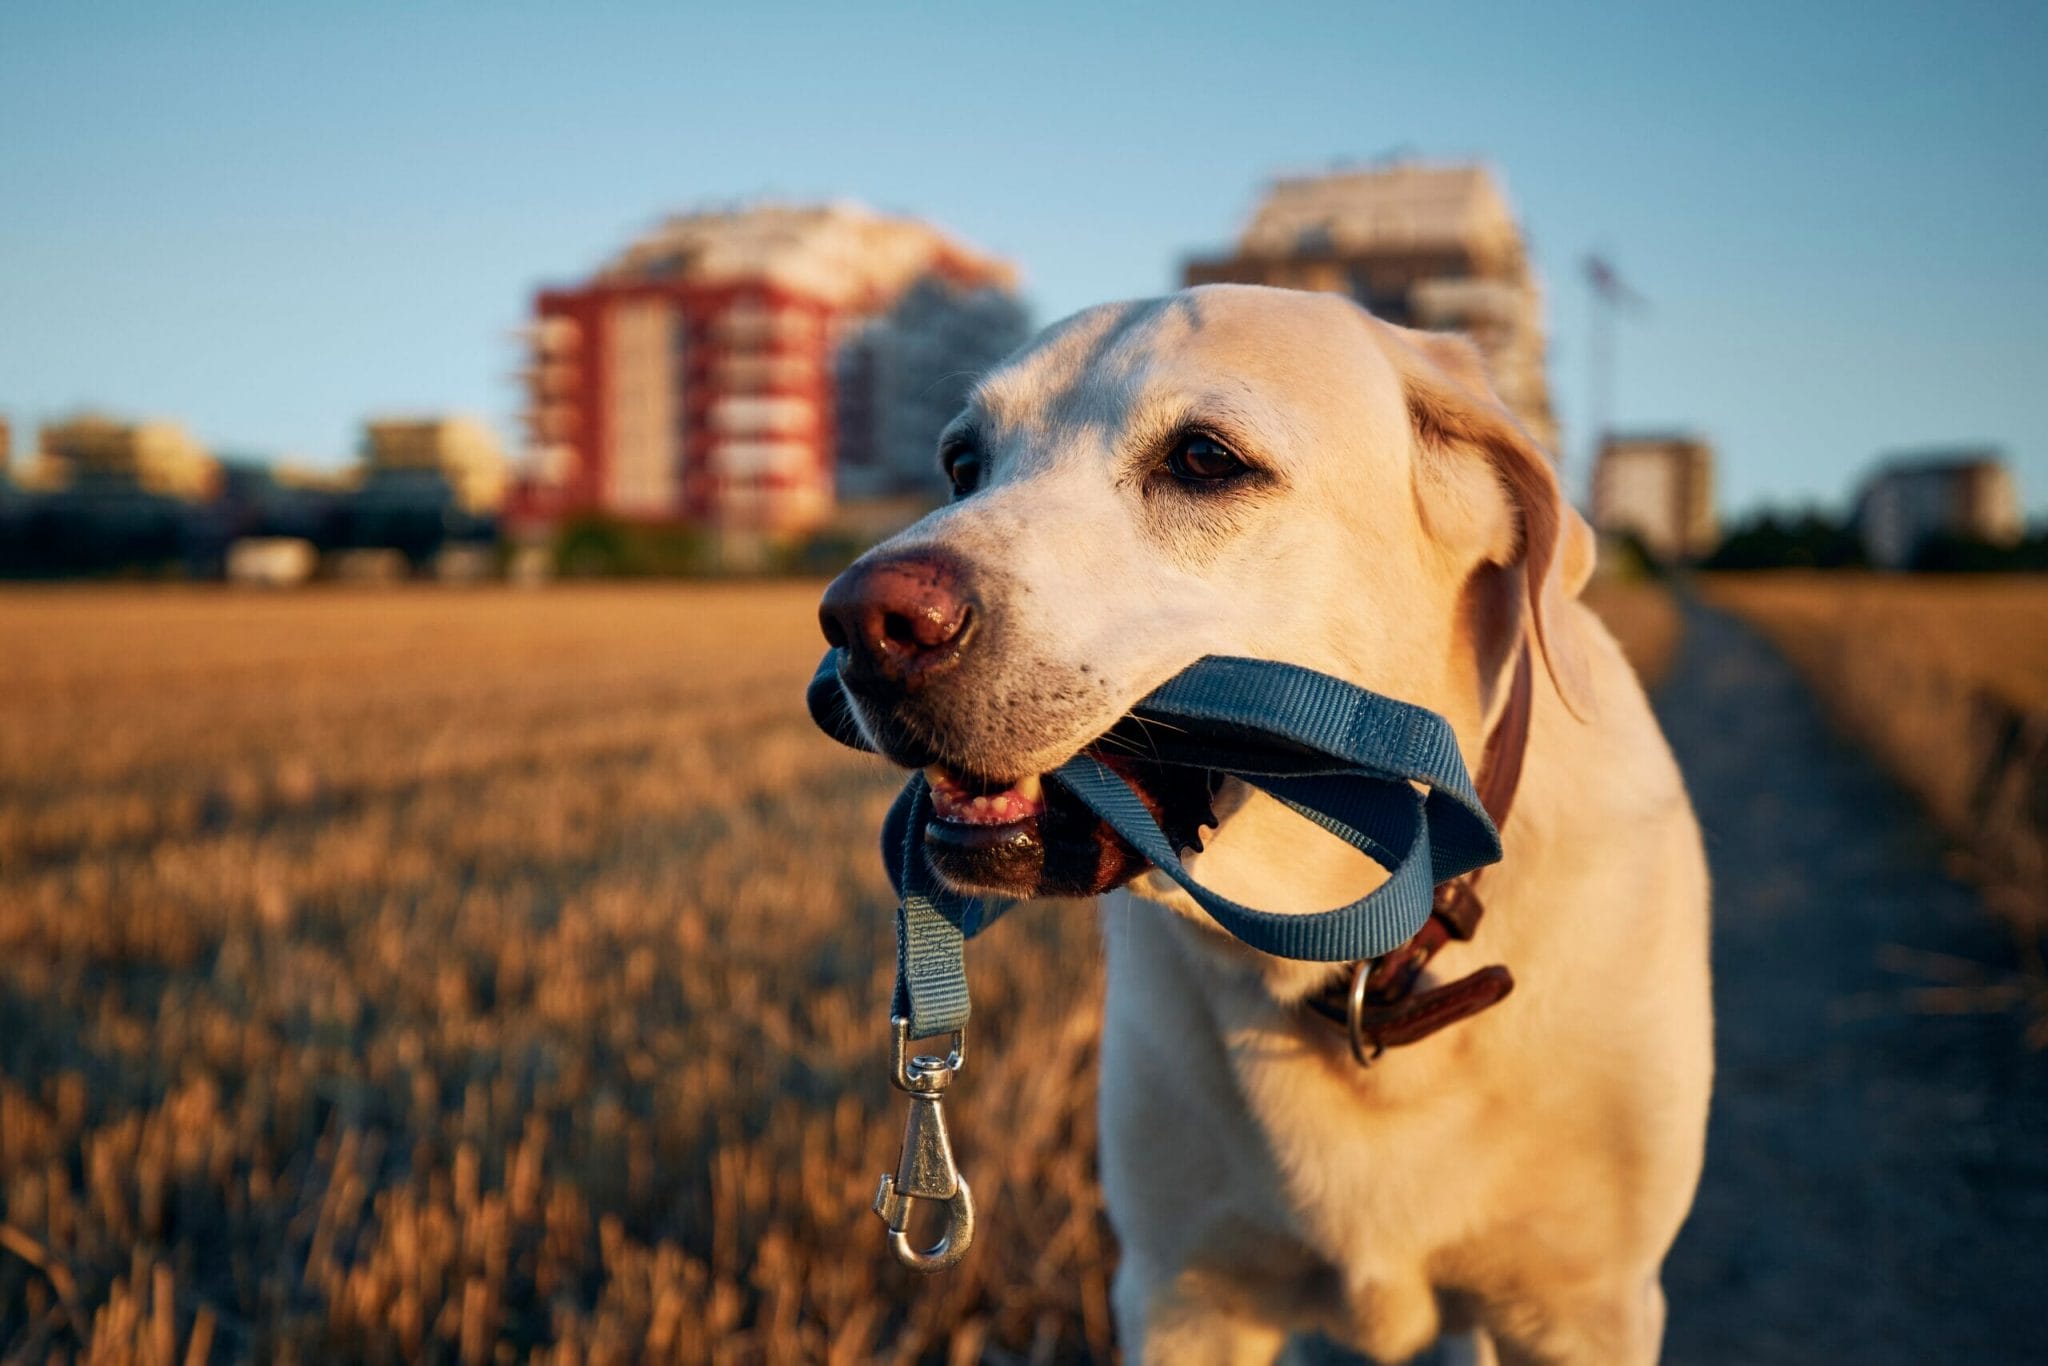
(963, 467)
(1199, 459)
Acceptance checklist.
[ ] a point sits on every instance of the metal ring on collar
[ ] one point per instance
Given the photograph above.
(1355, 1024)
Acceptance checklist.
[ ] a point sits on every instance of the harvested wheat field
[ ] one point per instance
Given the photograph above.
(488, 976)
(1946, 681)
(1643, 618)
(1989, 630)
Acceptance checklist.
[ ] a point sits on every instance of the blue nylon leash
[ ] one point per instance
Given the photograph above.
(1344, 758)
(1347, 759)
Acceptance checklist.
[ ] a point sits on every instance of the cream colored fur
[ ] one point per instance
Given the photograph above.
(1521, 1174)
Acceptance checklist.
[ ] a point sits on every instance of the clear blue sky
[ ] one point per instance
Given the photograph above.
(272, 219)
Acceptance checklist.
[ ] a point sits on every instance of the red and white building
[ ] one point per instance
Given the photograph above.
(741, 370)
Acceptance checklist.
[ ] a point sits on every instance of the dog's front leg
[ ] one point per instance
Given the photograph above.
(1622, 1325)
(1204, 1271)
(1164, 1321)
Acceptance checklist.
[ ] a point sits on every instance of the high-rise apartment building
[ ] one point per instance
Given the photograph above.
(1424, 246)
(1659, 489)
(740, 369)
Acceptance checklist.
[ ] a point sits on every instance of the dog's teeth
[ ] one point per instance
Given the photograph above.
(953, 800)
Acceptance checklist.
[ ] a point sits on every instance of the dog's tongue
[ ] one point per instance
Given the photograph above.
(953, 799)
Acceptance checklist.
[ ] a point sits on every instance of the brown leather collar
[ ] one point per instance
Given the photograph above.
(1375, 1000)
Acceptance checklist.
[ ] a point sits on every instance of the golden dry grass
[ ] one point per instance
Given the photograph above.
(1986, 630)
(476, 976)
(489, 976)
(1644, 620)
(1946, 679)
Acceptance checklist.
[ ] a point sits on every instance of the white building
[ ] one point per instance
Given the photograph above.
(1968, 494)
(1660, 490)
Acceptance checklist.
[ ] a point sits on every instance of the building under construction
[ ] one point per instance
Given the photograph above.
(1424, 246)
(739, 370)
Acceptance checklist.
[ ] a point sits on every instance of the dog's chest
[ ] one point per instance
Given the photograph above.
(1372, 1166)
(1273, 1122)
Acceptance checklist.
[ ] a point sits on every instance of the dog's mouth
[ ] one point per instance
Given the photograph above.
(1032, 837)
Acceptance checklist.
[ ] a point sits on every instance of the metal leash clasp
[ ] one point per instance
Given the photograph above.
(926, 1170)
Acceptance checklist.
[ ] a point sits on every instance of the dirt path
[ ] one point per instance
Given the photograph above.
(1876, 1187)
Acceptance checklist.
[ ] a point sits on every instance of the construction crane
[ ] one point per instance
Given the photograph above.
(1611, 296)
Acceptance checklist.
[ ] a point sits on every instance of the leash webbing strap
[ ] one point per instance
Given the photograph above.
(933, 923)
(1346, 759)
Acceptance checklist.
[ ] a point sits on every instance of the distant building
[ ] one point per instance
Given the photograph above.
(738, 370)
(6, 447)
(291, 474)
(149, 457)
(42, 472)
(461, 450)
(271, 561)
(1659, 489)
(1968, 494)
(1425, 246)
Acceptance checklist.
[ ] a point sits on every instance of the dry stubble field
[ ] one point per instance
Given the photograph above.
(1945, 679)
(488, 976)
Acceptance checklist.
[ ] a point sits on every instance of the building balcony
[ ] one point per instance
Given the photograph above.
(764, 416)
(743, 325)
(753, 372)
(739, 459)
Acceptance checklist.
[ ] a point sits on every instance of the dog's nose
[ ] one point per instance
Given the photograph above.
(903, 620)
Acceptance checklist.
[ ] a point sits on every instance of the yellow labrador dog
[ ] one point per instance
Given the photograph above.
(1246, 471)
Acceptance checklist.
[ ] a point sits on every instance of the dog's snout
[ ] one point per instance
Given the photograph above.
(902, 620)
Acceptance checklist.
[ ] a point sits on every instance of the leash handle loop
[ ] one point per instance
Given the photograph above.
(1346, 759)
(1385, 917)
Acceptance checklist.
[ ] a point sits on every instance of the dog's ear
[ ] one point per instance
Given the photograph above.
(1462, 427)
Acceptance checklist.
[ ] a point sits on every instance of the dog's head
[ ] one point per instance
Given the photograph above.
(1229, 470)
